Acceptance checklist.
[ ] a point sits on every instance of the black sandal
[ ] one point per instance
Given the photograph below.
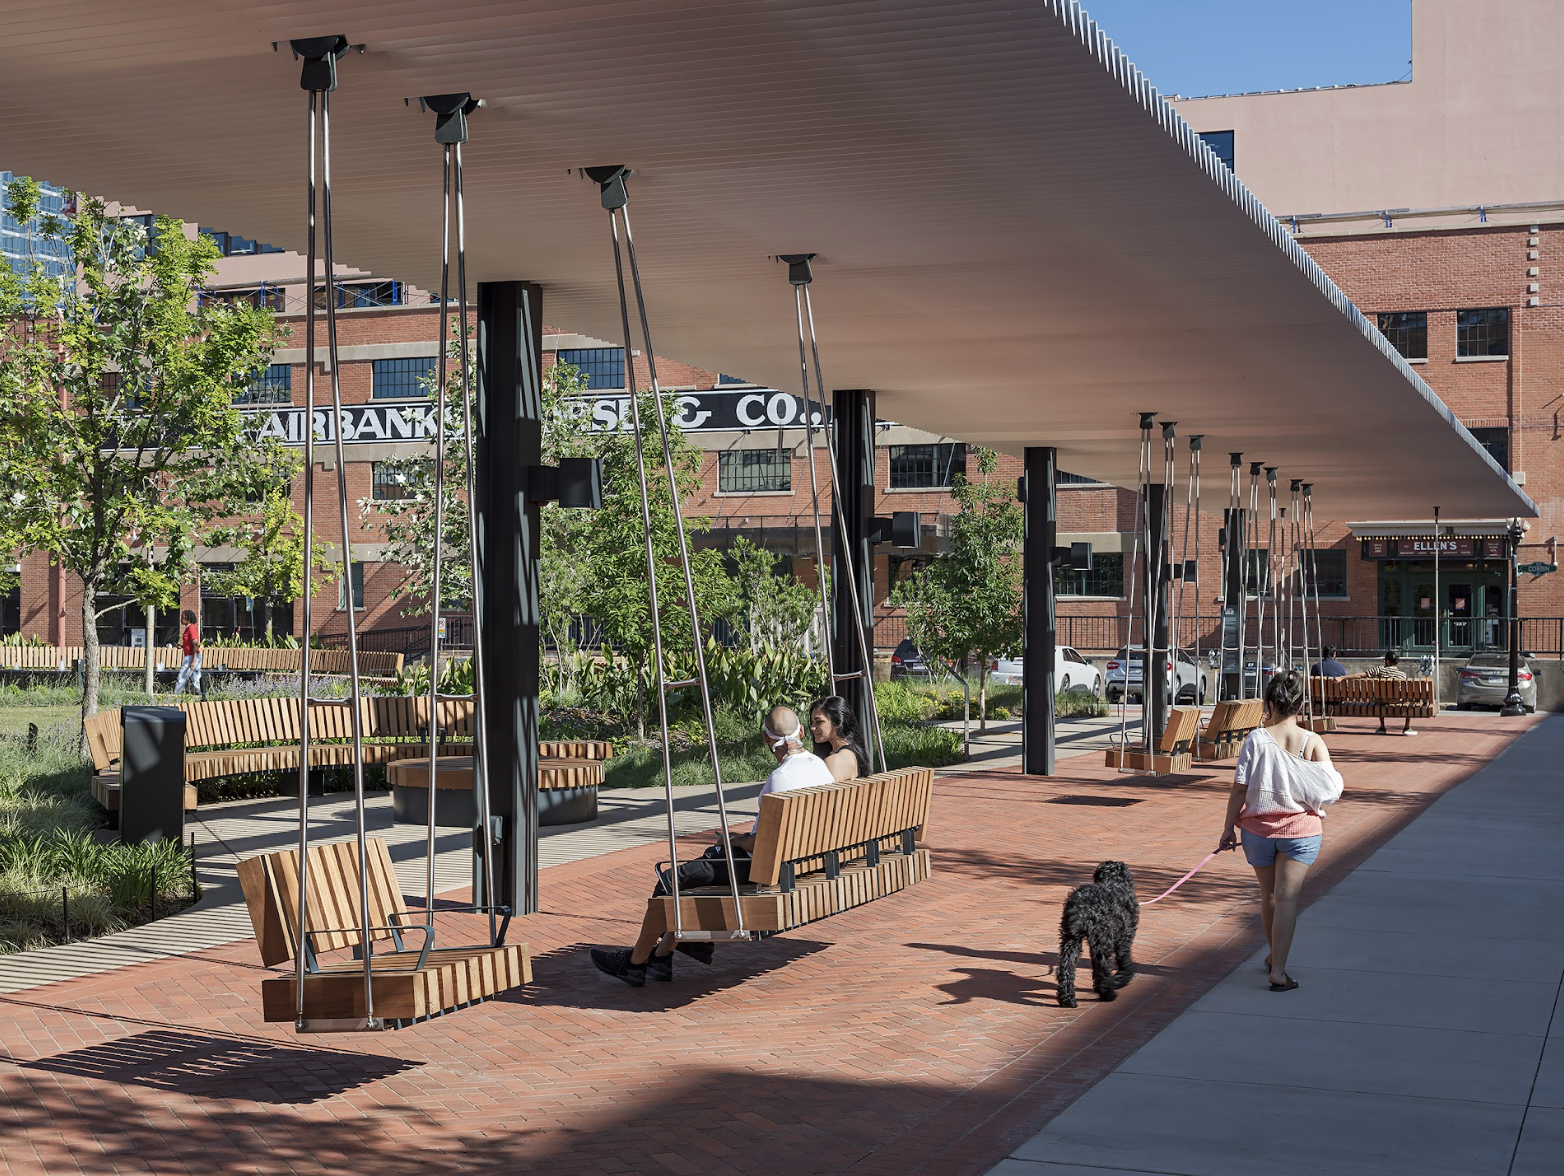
(1288, 987)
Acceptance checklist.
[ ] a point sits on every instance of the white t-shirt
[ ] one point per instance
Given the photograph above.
(798, 771)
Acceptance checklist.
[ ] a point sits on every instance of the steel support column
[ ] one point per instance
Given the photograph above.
(1153, 673)
(1040, 628)
(1234, 602)
(853, 498)
(510, 439)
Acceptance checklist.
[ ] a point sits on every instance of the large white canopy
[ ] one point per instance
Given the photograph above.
(1019, 242)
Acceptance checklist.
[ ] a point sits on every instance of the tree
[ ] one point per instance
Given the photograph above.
(777, 610)
(117, 386)
(965, 606)
(271, 533)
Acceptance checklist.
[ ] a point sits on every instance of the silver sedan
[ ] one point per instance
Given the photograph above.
(1485, 681)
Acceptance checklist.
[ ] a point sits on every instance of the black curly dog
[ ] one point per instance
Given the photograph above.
(1105, 913)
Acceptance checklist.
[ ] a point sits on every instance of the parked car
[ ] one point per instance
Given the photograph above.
(1485, 681)
(1071, 671)
(907, 662)
(1125, 676)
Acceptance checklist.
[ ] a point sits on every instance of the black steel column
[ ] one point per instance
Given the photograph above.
(1039, 624)
(1513, 707)
(1153, 673)
(508, 440)
(853, 500)
(1234, 601)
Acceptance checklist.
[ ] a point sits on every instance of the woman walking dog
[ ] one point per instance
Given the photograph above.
(1283, 782)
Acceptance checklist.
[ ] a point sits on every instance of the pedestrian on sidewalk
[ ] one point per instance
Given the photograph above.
(1276, 808)
(190, 664)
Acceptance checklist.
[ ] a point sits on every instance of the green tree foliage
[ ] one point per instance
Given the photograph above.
(271, 532)
(775, 608)
(116, 393)
(965, 606)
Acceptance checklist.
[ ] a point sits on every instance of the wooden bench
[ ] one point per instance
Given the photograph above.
(241, 736)
(818, 851)
(409, 984)
(1376, 698)
(567, 790)
(1227, 728)
(1174, 750)
(235, 657)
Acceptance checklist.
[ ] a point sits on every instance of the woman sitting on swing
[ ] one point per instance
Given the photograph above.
(838, 738)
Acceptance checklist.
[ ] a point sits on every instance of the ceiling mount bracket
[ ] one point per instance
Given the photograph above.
(799, 272)
(611, 181)
(320, 54)
(450, 111)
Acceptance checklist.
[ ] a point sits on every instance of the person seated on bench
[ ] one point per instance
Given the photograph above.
(838, 738)
(797, 767)
(1328, 666)
(1390, 669)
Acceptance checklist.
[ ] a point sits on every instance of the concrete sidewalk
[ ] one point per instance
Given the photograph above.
(1425, 1036)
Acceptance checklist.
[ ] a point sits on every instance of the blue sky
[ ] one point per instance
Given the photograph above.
(1199, 47)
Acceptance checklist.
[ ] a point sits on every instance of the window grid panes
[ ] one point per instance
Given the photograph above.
(603, 367)
(358, 588)
(754, 471)
(1482, 332)
(1063, 479)
(926, 467)
(1105, 579)
(1496, 442)
(273, 386)
(389, 483)
(1331, 568)
(1407, 331)
(403, 379)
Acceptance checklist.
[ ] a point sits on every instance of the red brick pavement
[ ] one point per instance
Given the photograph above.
(916, 1034)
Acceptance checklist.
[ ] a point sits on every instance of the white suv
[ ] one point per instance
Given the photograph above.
(1071, 671)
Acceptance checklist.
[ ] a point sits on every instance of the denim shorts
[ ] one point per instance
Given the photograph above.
(1262, 851)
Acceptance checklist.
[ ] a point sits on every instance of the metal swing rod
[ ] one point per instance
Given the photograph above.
(801, 275)
(615, 200)
(1147, 419)
(319, 79)
(451, 111)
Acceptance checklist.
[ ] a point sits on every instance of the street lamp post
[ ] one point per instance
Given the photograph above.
(1512, 701)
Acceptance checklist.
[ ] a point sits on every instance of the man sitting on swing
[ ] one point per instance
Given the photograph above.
(652, 955)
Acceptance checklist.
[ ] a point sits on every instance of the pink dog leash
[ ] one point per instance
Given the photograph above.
(1184, 879)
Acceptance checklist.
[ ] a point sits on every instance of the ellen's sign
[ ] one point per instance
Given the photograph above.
(1424, 546)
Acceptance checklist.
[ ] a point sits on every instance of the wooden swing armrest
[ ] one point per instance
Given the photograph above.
(423, 955)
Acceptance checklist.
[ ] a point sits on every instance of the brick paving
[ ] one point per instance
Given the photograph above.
(915, 1034)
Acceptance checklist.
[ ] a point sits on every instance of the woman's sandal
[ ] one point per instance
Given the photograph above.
(1288, 987)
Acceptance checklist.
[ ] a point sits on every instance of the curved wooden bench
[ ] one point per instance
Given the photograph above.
(238, 737)
(567, 791)
(1375, 698)
(234, 657)
(818, 851)
(1173, 751)
(409, 985)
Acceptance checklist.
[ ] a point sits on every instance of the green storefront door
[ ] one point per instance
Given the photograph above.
(1471, 599)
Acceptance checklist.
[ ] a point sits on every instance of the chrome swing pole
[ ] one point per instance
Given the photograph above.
(615, 200)
(799, 276)
(849, 565)
(1236, 518)
(319, 78)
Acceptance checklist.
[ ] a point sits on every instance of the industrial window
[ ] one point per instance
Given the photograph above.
(361, 295)
(1496, 442)
(358, 589)
(603, 367)
(11, 610)
(731, 380)
(926, 467)
(754, 471)
(1258, 581)
(232, 245)
(1407, 331)
(1105, 579)
(403, 379)
(273, 386)
(389, 483)
(1063, 479)
(1482, 332)
(1220, 142)
(1330, 567)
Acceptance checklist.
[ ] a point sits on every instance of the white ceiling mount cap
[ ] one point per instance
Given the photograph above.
(1532, 240)
(1534, 288)
(1531, 254)
(1532, 301)
(1532, 272)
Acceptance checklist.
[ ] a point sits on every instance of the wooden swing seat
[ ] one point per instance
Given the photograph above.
(1172, 753)
(819, 851)
(1227, 728)
(410, 983)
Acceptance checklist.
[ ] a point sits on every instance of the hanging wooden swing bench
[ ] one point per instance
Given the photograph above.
(819, 851)
(411, 983)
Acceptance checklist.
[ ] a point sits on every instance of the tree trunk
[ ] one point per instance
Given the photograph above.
(149, 681)
(966, 717)
(983, 699)
(640, 703)
(266, 617)
(89, 656)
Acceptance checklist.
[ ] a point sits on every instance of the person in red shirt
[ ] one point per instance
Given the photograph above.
(190, 664)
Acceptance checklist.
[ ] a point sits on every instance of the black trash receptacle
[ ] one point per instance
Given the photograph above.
(152, 774)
